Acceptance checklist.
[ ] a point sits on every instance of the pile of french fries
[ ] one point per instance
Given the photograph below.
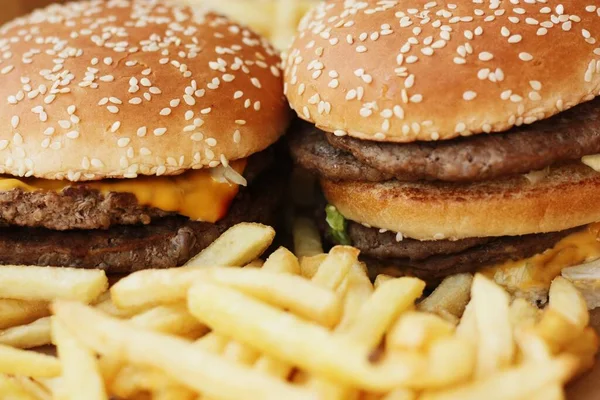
(308, 326)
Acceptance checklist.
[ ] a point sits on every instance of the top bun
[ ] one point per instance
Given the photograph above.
(97, 89)
(402, 71)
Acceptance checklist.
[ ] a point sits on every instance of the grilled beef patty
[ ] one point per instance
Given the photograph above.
(164, 243)
(565, 137)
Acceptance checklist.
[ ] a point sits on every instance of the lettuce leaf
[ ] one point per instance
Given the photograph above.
(337, 226)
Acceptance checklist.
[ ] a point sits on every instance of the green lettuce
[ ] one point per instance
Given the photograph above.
(337, 226)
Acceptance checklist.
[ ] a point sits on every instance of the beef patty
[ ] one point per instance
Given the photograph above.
(166, 242)
(79, 207)
(565, 137)
(432, 260)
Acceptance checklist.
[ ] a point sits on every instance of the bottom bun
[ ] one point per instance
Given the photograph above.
(569, 196)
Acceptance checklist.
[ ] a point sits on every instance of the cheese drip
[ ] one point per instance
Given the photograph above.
(195, 194)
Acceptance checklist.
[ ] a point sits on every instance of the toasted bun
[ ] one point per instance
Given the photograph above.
(402, 71)
(568, 197)
(98, 89)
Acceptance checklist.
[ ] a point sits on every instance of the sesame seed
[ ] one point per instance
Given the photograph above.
(115, 126)
(123, 142)
(73, 134)
(165, 111)
(469, 95)
(15, 121)
(141, 132)
(113, 109)
(160, 131)
(485, 56)
(525, 56)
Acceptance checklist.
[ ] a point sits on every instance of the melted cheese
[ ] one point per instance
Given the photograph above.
(195, 194)
(535, 274)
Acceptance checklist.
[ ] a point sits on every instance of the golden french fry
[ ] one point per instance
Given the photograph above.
(400, 394)
(532, 347)
(10, 389)
(181, 360)
(450, 297)
(310, 265)
(258, 263)
(80, 371)
(154, 287)
(381, 278)
(467, 327)
(273, 367)
(556, 329)
(451, 361)
(174, 393)
(285, 336)
(417, 330)
(496, 347)
(174, 319)
(336, 266)
(292, 292)
(135, 380)
(29, 363)
(568, 301)
(106, 305)
(238, 246)
(38, 391)
(307, 239)
(390, 299)
(212, 342)
(585, 348)
(550, 392)
(49, 283)
(27, 336)
(19, 312)
(282, 260)
(514, 383)
(358, 292)
(240, 353)
(523, 314)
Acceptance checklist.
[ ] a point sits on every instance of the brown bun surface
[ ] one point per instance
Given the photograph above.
(402, 71)
(568, 197)
(97, 89)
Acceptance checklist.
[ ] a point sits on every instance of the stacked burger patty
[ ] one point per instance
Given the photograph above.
(449, 137)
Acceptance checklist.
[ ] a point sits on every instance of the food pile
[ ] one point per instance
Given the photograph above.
(229, 325)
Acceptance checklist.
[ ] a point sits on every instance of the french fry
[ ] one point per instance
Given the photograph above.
(80, 371)
(391, 297)
(400, 394)
(28, 336)
(249, 241)
(569, 302)
(307, 239)
(310, 265)
(174, 319)
(496, 347)
(135, 380)
(287, 291)
(585, 348)
(523, 314)
(550, 392)
(417, 330)
(450, 361)
(49, 283)
(20, 312)
(155, 287)
(556, 329)
(282, 260)
(11, 389)
(291, 339)
(182, 361)
(258, 263)
(212, 343)
(358, 292)
(381, 278)
(29, 363)
(514, 383)
(106, 305)
(450, 297)
(531, 346)
(38, 391)
(336, 266)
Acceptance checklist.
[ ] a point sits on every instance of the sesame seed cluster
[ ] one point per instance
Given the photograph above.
(121, 88)
(403, 71)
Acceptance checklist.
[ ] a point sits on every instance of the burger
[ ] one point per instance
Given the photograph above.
(134, 133)
(453, 138)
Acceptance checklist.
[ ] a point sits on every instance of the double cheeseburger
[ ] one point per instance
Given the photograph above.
(134, 132)
(450, 137)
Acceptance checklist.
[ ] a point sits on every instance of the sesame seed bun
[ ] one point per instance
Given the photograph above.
(566, 198)
(97, 89)
(402, 71)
